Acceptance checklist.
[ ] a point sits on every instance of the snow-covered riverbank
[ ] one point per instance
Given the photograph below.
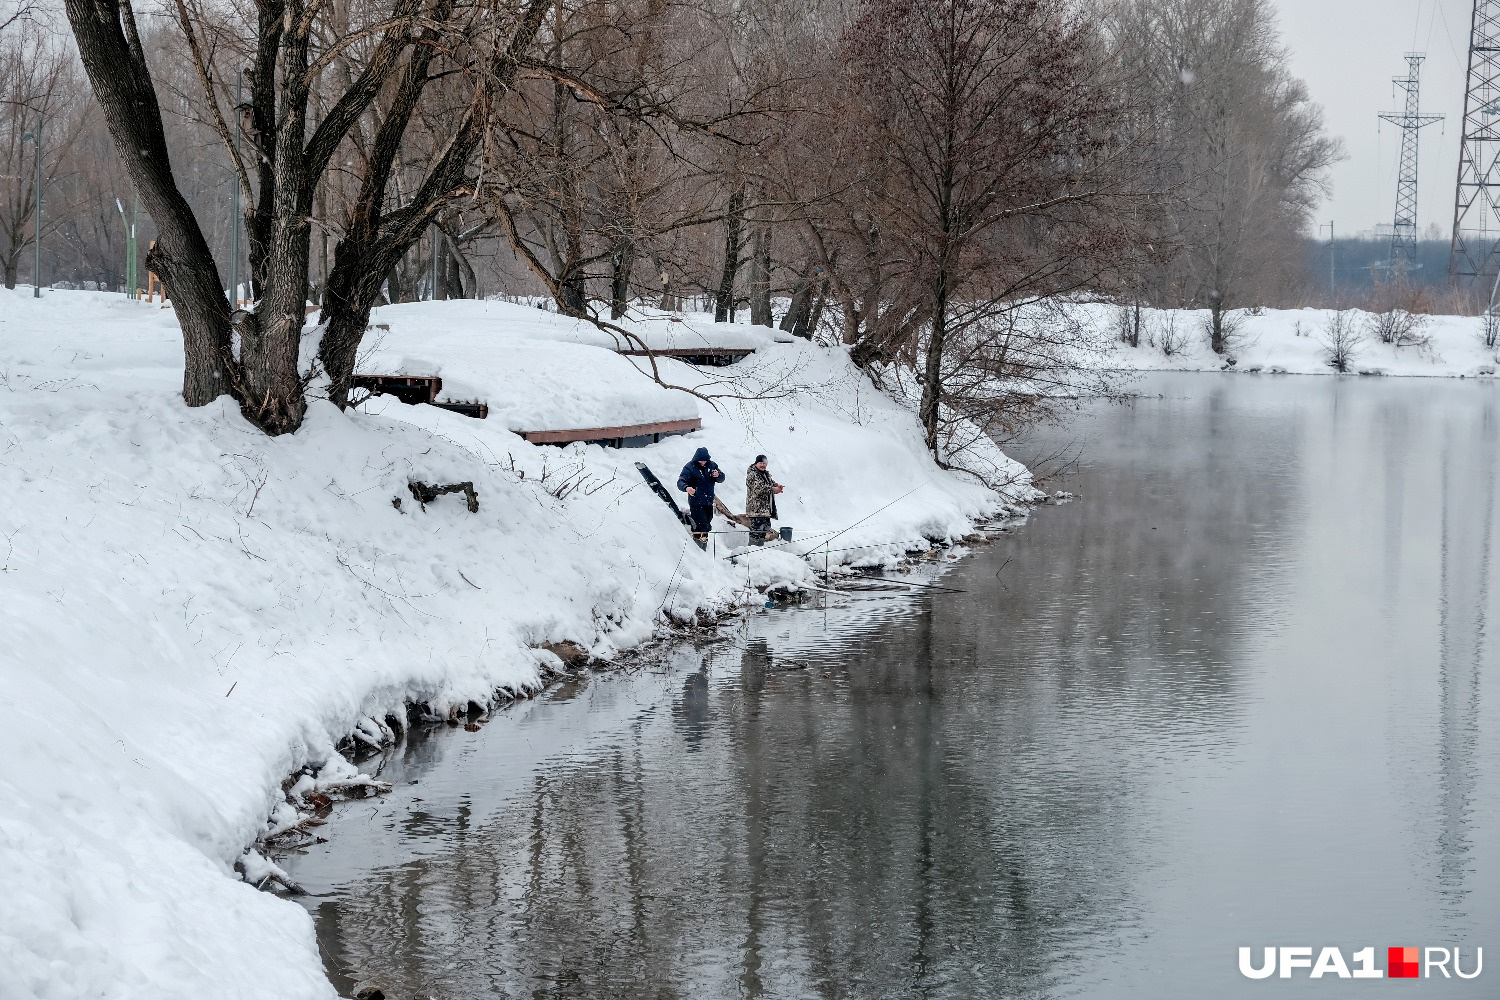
(195, 611)
(1295, 341)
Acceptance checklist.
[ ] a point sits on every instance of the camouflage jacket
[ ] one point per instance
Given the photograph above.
(760, 494)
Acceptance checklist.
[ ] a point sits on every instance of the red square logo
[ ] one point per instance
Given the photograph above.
(1402, 963)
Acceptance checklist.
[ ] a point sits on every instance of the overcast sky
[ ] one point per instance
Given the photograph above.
(1347, 51)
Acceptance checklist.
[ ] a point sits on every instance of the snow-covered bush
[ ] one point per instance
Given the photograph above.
(1341, 339)
(1399, 316)
(1489, 327)
(1128, 324)
(1399, 328)
(1231, 330)
(1169, 336)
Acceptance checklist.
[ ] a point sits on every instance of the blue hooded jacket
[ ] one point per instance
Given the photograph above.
(701, 479)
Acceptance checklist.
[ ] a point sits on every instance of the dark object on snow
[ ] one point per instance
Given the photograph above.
(661, 491)
(760, 492)
(426, 494)
(475, 409)
(415, 389)
(410, 389)
(786, 534)
(760, 501)
(572, 654)
(701, 357)
(700, 475)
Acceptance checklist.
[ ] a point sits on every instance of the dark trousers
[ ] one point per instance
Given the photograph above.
(760, 527)
(703, 517)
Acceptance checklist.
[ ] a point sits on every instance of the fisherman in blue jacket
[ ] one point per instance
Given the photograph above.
(697, 480)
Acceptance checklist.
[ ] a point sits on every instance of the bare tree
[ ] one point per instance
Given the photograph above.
(1238, 150)
(293, 48)
(40, 96)
(13, 14)
(991, 154)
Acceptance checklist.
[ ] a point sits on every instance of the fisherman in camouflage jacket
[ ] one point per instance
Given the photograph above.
(760, 500)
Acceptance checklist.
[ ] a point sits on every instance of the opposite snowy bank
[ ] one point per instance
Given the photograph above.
(194, 611)
(1296, 341)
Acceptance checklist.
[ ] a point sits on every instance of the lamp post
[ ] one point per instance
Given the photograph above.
(35, 138)
(129, 225)
(234, 217)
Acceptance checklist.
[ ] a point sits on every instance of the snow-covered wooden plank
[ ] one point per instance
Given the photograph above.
(612, 433)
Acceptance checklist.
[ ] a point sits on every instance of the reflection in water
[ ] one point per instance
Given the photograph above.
(1189, 712)
(1467, 533)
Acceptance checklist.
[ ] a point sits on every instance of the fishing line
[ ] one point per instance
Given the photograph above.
(874, 512)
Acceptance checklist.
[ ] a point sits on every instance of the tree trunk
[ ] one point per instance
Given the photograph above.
(619, 285)
(798, 317)
(573, 300)
(392, 282)
(323, 247)
(816, 316)
(347, 302)
(724, 301)
(367, 255)
(760, 277)
(465, 281)
(109, 45)
(1216, 313)
(9, 264)
(932, 376)
(271, 337)
(669, 301)
(453, 278)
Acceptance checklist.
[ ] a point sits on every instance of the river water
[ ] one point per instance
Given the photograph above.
(1240, 693)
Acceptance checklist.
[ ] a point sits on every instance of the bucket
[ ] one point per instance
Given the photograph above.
(786, 534)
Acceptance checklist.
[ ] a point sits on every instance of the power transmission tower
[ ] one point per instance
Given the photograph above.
(1476, 215)
(1411, 121)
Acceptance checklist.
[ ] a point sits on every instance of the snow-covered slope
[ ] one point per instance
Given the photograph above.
(1295, 341)
(194, 610)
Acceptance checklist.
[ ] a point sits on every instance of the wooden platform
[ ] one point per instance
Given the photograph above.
(631, 435)
(410, 389)
(703, 357)
(414, 390)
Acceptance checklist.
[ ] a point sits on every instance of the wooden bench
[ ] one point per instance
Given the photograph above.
(624, 436)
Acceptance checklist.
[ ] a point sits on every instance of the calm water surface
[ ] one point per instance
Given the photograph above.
(1241, 692)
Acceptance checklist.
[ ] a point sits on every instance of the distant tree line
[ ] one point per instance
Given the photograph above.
(914, 179)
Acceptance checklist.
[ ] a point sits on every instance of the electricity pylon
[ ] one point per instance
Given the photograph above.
(1476, 215)
(1411, 121)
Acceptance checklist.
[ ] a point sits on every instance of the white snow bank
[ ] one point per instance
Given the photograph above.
(1293, 341)
(194, 610)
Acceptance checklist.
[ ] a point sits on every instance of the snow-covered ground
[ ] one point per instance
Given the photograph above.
(1294, 341)
(549, 368)
(194, 611)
